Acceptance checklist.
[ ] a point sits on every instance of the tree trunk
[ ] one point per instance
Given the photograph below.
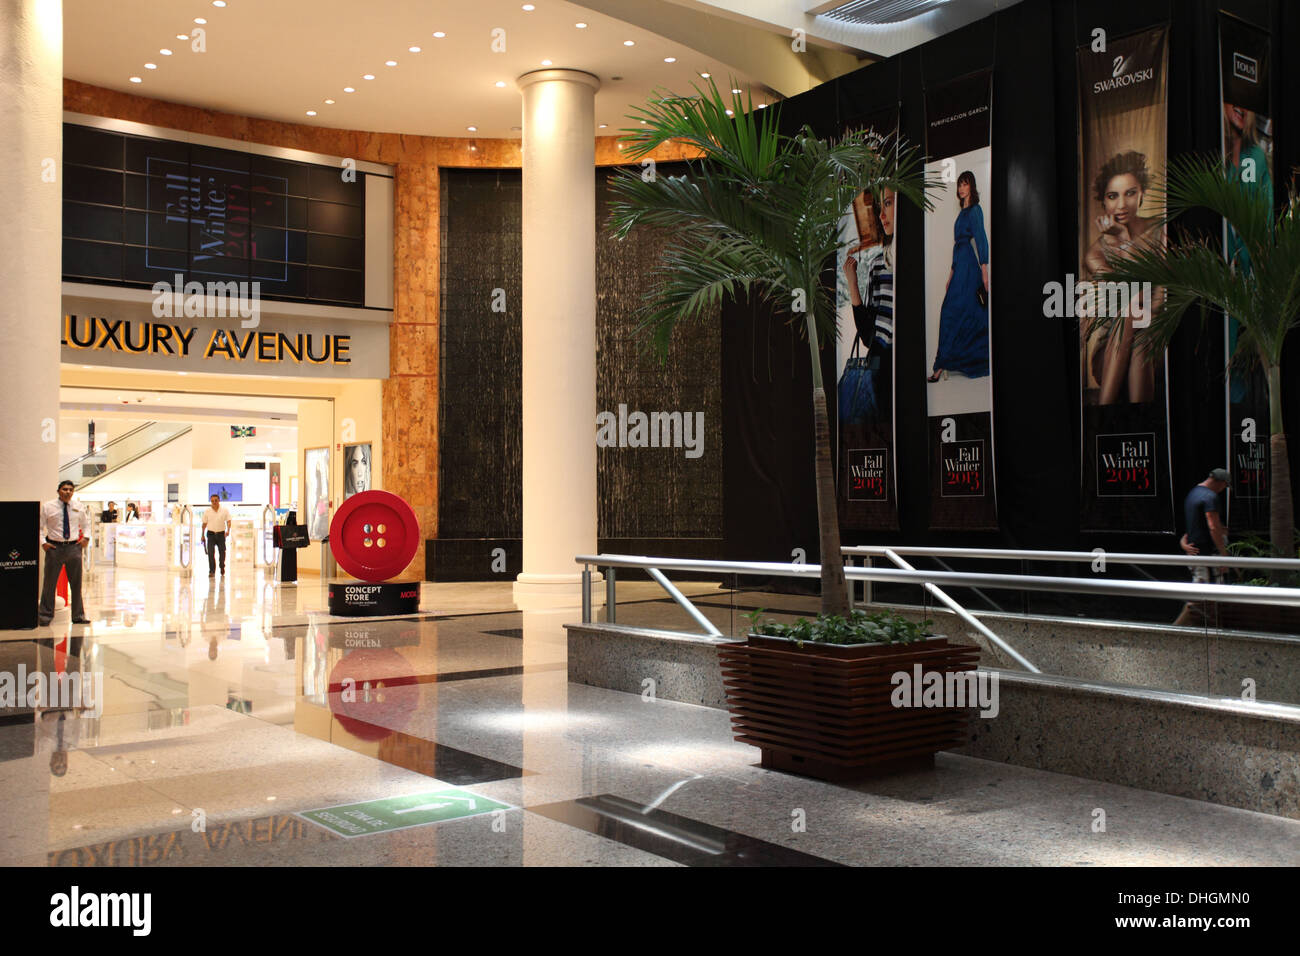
(1281, 514)
(835, 592)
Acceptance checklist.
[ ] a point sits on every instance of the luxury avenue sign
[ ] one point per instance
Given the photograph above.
(237, 345)
(286, 339)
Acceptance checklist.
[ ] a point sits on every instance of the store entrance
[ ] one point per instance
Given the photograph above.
(146, 462)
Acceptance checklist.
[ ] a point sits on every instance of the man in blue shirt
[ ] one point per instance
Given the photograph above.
(1206, 532)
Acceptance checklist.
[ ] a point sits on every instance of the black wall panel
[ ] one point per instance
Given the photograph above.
(650, 500)
(1031, 48)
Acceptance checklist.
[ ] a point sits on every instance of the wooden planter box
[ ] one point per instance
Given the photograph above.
(824, 710)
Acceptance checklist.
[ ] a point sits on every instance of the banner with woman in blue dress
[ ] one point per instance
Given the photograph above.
(958, 306)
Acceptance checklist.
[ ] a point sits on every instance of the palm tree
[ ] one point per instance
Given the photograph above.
(1261, 293)
(759, 213)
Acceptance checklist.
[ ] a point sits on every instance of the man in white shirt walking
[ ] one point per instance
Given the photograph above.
(66, 531)
(216, 525)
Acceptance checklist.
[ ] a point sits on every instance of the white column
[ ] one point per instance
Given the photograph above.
(559, 334)
(31, 186)
(31, 151)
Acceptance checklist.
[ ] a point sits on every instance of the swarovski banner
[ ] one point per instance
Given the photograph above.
(1248, 156)
(1125, 480)
(958, 304)
(867, 482)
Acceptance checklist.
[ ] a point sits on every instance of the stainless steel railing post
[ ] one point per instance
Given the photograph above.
(586, 594)
(610, 599)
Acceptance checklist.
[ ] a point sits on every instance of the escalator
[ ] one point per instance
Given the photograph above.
(86, 469)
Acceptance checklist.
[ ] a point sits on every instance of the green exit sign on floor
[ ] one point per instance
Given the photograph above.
(398, 813)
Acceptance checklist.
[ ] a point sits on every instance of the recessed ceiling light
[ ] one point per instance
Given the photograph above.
(218, 3)
(762, 106)
(439, 34)
(200, 20)
(670, 59)
(368, 76)
(165, 52)
(136, 79)
(329, 102)
(472, 129)
(581, 26)
(413, 49)
(182, 36)
(311, 112)
(500, 84)
(706, 75)
(546, 63)
(390, 63)
(151, 66)
(731, 113)
(473, 149)
(604, 125)
(629, 43)
(348, 89)
(529, 7)
(737, 92)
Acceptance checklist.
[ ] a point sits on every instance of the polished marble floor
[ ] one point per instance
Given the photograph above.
(231, 706)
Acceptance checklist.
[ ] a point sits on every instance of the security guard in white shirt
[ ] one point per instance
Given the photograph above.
(66, 531)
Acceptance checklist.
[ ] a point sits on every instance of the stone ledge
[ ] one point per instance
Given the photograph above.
(1227, 751)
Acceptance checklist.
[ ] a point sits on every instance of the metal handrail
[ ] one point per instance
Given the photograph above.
(1110, 557)
(966, 616)
(134, 458)
(104, 447)
(1232, 593)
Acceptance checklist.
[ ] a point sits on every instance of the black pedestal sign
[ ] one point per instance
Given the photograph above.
(20, 557)
(367, 599)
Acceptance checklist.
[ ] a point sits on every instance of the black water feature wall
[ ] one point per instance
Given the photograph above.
(650, 500)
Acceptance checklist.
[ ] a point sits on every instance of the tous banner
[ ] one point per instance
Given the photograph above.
(1248, 156)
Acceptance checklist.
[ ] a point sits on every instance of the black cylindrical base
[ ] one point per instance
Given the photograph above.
(367, 599)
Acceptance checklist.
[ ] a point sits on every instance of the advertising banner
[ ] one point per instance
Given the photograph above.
(867, 482)
(1247, 155)
(958, 306)
(1125, 480)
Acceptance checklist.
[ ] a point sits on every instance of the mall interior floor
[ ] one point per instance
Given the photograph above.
(232, 706)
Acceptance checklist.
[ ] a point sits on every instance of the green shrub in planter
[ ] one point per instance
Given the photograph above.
(858, 627)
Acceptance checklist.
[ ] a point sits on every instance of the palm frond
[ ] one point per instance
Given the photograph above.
(764, 209)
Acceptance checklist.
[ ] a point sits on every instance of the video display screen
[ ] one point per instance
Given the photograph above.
(138, 210)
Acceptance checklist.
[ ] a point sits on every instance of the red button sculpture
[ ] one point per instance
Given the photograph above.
(374, 536)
